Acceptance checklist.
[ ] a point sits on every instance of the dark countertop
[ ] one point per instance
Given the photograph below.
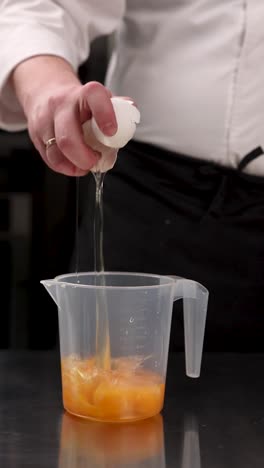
(216, 421)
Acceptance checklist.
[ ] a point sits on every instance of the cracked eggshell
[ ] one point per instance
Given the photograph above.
(127, 116)
(108, 155)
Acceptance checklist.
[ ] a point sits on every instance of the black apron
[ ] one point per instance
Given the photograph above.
(167, 213)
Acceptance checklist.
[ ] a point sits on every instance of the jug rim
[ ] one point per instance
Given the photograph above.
(170, 280)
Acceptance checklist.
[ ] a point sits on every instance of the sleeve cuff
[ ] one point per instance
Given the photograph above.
(25, 43)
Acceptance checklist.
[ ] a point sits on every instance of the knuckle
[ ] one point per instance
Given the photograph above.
(60, 97)
(39, 121)
(64, 142)
(94, 86)
(36, 139)
(39, 124)
(52, 102)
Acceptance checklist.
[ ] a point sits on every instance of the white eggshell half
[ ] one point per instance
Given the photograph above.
(127, 116)
(108, 155)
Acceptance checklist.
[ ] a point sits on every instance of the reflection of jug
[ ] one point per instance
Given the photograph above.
(139, 308)
(100, 445)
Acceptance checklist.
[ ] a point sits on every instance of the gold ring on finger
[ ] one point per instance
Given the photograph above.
(50, 142)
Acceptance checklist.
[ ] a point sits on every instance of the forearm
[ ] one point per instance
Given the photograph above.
(38, 75)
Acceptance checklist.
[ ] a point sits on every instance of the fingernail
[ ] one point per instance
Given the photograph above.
(109, 129)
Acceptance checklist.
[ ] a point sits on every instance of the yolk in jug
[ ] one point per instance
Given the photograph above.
(124, 392)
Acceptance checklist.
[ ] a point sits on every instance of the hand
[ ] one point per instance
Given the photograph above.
(57, 106)
(61, 115)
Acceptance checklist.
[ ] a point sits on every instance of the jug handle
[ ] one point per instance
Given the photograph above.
(195, 302)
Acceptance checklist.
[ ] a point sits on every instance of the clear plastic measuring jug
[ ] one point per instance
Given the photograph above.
(139, 309)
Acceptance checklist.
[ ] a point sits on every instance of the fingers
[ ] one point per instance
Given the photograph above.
(57, 161)
(62, 117)
(93, 99)
(53, 157)
(97, 97)
(70, 140)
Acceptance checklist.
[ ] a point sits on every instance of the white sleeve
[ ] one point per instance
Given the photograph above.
(56, 27)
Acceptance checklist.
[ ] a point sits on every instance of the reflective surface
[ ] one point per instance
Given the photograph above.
(96, 444)
(214, 422)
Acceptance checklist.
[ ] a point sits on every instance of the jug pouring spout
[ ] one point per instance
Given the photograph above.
(195, 301)
(51, 287)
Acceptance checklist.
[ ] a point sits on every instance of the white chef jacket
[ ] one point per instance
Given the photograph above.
(195, 68)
